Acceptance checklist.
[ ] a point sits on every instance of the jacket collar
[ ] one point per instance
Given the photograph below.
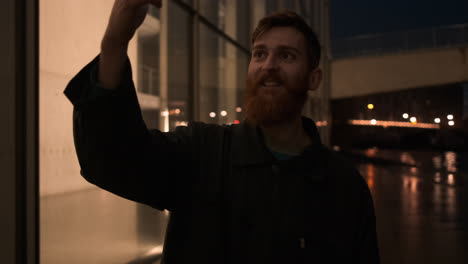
(249, 148)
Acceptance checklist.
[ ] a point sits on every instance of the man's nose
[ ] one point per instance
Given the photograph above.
(270, 63)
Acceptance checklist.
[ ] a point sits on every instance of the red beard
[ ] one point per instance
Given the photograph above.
(276, 106)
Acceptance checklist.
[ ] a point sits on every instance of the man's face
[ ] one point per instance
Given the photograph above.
(278, 77)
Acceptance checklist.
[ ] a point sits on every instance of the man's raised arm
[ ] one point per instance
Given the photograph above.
(115, 149)
(126, 17)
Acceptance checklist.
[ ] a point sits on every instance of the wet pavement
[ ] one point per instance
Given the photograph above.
(422, 210)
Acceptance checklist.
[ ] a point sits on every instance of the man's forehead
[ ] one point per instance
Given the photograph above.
(280, 36)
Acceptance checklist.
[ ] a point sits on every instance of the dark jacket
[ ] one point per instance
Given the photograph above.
(231, 201)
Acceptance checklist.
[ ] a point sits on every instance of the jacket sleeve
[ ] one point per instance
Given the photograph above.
(367, 249)
(118, 153)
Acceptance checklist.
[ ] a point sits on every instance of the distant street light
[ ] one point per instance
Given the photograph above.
(370, 106)
(223, 113)
(437, 120)
(212, 114)
(450, 117)
(373, 121)
(413, 120)
(451, 123)
(405, 116)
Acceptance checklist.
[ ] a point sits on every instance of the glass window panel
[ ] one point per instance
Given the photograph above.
(188, 2)
(148, 54)
(223, 69)
(213, 11)
(271, 6)
(179, 71)
(148, 84)
(229, 16)
(243, 23)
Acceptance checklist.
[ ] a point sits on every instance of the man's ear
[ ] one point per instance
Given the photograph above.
(315, 78)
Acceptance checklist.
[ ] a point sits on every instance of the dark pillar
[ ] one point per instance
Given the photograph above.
(19, 132)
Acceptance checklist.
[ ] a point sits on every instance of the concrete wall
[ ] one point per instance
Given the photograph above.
(70, 35)
(79, 222)
(364, 75)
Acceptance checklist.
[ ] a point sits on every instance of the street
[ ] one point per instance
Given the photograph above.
(422, 214)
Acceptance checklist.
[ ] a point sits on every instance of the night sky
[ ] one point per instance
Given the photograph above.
(356, 17)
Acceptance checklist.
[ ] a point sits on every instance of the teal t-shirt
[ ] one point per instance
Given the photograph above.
(282, 156)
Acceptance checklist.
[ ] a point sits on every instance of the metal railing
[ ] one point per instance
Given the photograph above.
(399, 41)
(148, 80)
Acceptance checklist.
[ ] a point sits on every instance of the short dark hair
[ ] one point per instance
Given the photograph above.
(289, 18)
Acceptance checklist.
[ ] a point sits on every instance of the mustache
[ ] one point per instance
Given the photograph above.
(272, 76)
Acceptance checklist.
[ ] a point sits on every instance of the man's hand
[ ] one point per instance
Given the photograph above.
(125, 18)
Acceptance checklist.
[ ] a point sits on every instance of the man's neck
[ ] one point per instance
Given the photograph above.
(288, 137)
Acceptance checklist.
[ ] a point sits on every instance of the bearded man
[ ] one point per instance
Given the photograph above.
(263, 191)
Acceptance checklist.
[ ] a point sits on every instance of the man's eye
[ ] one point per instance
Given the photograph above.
(259, 54)
(287, 56)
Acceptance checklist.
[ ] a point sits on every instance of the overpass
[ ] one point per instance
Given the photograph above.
(373, 64)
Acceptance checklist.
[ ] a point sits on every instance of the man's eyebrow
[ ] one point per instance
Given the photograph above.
(260, 46)
(284, 47)
(280, 47)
